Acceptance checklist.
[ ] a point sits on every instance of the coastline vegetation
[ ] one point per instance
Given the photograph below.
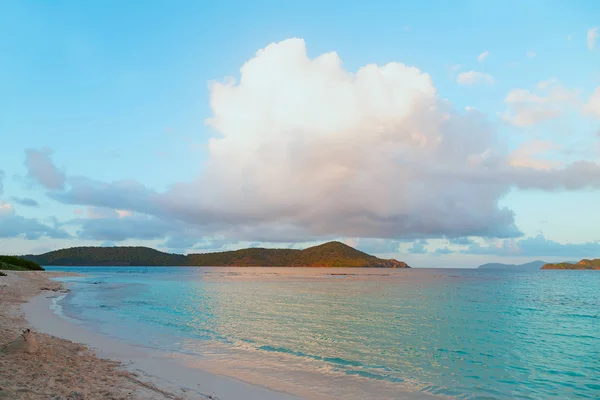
(12, 263)
(584, 264)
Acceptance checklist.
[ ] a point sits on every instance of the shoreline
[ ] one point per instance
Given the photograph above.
(159, 374)
(76, 363)
(156, 367)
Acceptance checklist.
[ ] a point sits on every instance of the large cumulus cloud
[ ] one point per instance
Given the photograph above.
(306, 144)
(305, 150)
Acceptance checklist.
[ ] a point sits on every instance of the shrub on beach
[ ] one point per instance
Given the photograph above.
(17, 263)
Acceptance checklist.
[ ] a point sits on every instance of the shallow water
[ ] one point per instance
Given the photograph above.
(356, 333)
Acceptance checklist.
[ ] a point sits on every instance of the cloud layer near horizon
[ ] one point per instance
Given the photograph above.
(306, 150)
(13, 225)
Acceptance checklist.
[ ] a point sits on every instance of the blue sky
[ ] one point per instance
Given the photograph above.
(107, 106)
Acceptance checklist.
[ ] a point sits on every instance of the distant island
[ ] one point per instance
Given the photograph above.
(534, 265)
(331, 254)
(583, 264)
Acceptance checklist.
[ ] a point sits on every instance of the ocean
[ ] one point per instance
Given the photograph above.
(360, 333)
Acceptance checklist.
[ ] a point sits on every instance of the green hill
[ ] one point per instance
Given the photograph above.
(18, 264)
(583, 264)
(90, 256)
(332, 254)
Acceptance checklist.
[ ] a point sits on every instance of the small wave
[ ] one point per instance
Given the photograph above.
(371, 375)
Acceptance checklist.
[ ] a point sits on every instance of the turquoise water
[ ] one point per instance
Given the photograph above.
(464, 334)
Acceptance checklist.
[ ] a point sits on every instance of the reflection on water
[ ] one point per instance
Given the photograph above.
(363, 333)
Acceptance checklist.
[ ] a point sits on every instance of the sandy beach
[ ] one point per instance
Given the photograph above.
(63, 368)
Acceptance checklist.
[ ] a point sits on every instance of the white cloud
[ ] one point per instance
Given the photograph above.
(483, 56)
(593, 105)
(6, 209)
(13, 225)
(526, 108)
(474, 77)
(592, 36)
(527, 155)
(547, 83)
(41, 169)
(306, 150)
(570, 37)
(530, 54)
(103, 212)
(124, 213)
(453, 68)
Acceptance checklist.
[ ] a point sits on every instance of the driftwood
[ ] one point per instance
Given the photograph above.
(25, 342)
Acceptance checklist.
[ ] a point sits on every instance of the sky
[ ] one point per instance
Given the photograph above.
(443, 134)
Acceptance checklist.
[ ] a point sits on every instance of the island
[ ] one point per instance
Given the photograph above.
(531, 266)
(581, 265)
(331, 254)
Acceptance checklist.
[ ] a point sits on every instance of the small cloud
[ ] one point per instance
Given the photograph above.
(592, 107)
(470, 108)
(547, 83)
(592, 36)
(483, 56)
(473, 78)
(24, 201)
(6, 208)
(549, 101)
(418, 247)
(103, 212)
(453, 69)
(527, 155)
(530, 54)
(14, 226)
(124, 213)
(443, 251)
(461, 241)
(375, 246)
(570, 37)
(99, 212)
(42, 170)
